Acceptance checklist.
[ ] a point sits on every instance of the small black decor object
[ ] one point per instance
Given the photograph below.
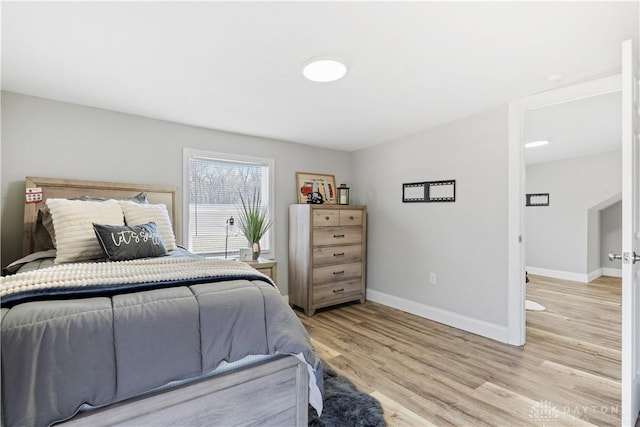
(538, 199)
(315, 198)
(429, 191)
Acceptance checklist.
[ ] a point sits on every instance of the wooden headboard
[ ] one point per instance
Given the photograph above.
(69, 188)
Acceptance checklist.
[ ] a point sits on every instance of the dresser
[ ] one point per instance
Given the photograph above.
(327, 255)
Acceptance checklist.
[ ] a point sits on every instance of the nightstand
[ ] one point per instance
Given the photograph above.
(266, 266)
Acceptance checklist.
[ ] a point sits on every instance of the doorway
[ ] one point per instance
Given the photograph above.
(517, 171)
(572, 154)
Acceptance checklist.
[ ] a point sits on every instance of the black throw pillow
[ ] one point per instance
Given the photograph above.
(122, 242)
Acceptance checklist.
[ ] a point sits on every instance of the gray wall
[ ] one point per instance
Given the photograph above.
(564, 236)
(611, 235)
(464, 243)
(54, 139)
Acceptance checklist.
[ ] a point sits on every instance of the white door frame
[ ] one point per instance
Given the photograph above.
(630, 237)
(516, 293)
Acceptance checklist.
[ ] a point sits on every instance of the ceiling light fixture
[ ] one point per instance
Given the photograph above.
(324, 70)
(536, 144)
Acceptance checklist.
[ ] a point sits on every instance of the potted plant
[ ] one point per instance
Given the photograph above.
(253, 221)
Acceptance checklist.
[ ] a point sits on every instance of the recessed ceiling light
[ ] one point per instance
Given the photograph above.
(324, 70)
(536, 144)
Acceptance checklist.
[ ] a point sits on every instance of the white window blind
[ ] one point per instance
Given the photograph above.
(214, 184)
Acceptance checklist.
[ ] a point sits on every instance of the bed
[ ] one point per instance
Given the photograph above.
(167, 339)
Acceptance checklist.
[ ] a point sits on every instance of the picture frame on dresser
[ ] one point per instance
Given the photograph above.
(316, 188)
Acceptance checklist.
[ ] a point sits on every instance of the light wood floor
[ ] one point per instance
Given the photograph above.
(428, 374)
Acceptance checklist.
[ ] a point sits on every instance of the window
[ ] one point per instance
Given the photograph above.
(213, 183)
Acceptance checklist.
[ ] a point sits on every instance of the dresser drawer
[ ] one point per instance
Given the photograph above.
(326, 217)
(323, 236)
(333, 293)
(337, 255)
(332, 273)
(350, 217)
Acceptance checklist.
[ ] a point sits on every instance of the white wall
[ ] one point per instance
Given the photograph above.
(562, 240)
(464, 243)
(54, 139)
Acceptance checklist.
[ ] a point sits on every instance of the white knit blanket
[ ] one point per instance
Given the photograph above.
(108, 274)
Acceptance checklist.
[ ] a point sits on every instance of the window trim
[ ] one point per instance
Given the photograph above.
(190, 153)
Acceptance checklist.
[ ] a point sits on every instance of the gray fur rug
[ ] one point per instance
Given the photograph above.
(344, 405)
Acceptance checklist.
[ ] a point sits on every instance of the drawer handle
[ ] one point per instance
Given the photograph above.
(327, 218)
(335, 291)
(337, 236)
(336, 273)
(342, 254)
(351, 217)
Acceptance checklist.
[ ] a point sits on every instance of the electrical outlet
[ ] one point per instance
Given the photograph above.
(433, 278)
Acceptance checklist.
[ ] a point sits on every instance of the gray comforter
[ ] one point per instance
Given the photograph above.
(59, 354)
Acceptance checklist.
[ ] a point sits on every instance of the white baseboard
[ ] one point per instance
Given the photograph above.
(576, 277)
(557, 274)
(594, 275)
(469, 324)
(612, 272)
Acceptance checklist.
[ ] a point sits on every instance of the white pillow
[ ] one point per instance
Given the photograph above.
(136, 214)
(73, 225)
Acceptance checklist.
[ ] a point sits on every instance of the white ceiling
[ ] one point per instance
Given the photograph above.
(578, 128)
(236, 66)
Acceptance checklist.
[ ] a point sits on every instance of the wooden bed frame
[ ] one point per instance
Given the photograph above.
(267, 394)
(69, 188)
(274, 392)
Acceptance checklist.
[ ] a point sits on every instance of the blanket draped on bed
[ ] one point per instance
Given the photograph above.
(81, 279)
(112, 340)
